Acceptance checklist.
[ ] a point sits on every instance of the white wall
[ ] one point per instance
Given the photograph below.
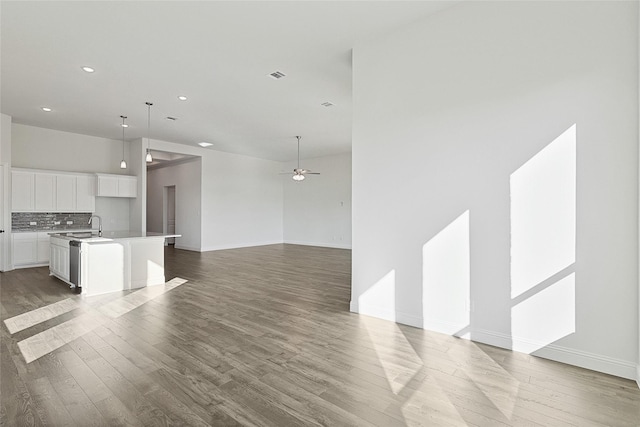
(138, 167)
(317, 211)
(188, 196)
(41, 148)
(114, 213)
(5, 191)
(5, 139)
(455, 120)
(241, 198)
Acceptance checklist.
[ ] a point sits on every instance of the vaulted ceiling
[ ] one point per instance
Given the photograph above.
(217, 54)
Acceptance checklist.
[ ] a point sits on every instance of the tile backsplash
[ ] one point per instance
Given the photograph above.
(23, 221)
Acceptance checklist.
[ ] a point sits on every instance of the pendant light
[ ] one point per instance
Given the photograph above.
(148, 158)
(123, 164)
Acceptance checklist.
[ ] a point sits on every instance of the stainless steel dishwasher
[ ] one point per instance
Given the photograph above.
(74, 264)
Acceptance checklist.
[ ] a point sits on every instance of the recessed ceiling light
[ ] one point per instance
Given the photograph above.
(205, 144)
(182, 98)
(47, 109)
(88, 69)
(277, 75)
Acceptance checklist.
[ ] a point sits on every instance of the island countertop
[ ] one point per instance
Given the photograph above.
(91, 237)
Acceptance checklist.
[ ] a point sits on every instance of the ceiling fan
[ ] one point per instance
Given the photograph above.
(299, 173)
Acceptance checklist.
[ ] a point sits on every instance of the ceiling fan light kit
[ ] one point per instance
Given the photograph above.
(299, 173)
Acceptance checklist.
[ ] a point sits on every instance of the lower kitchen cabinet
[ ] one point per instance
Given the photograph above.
(59, 258)
(24, 249)
(30, 248)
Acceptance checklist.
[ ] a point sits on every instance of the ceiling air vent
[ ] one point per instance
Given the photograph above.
(172, 118)
(327, 104)
(277, 75)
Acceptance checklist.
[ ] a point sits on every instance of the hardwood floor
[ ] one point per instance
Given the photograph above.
(263, 336)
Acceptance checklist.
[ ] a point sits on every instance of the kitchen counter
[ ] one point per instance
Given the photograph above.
(115, 261)
(92, 235)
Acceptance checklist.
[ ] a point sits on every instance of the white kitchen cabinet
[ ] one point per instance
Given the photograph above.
(24, 248)
(127, 186)
(45, 187)
(85, 193)
(59, 258)
(116, 185)
(51, 191)
(65, 193)
(43, 247)
(22, 188)
(30, 248)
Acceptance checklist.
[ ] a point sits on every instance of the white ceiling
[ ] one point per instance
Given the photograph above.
(218, 54)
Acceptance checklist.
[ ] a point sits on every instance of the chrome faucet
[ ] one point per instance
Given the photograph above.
(99, 224)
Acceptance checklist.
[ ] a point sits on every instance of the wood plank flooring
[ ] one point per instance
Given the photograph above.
(263, 336)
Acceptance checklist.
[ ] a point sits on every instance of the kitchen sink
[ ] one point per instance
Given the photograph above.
(85, 235)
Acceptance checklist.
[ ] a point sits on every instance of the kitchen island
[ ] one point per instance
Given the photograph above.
(110, 262)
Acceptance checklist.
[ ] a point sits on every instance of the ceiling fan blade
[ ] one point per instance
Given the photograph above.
(312, 173)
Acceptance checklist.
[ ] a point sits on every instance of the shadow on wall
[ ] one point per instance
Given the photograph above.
(542, 289)
(542, 260)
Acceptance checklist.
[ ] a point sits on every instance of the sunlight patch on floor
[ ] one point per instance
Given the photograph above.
(45, 342)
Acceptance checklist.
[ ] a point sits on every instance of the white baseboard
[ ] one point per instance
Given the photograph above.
(40, 264)
(444, 327)
(385, 314)
(320, 244)
(570, 356)
(239, 245)
(187, 248)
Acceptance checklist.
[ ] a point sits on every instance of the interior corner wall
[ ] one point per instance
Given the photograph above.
(138, 167)
(446, 111)
(241, 198)
(241, 201)
(186, 179)
(317, 211)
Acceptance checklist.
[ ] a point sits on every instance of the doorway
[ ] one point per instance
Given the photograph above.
(169, 214)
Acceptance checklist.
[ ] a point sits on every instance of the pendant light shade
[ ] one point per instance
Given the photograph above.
(123, 163)
(148, 158)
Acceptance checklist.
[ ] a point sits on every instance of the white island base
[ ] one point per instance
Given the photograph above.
(120, 261)
(121, 265)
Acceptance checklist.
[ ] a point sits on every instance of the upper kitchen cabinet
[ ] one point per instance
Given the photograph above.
(45, 195)
(51, 191)
(22, 191)
(86, 193)
(66, 190)
(116, 185)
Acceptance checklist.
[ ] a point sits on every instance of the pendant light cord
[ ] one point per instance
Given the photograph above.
(123, 117)
(148, 157)
(298, 151)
